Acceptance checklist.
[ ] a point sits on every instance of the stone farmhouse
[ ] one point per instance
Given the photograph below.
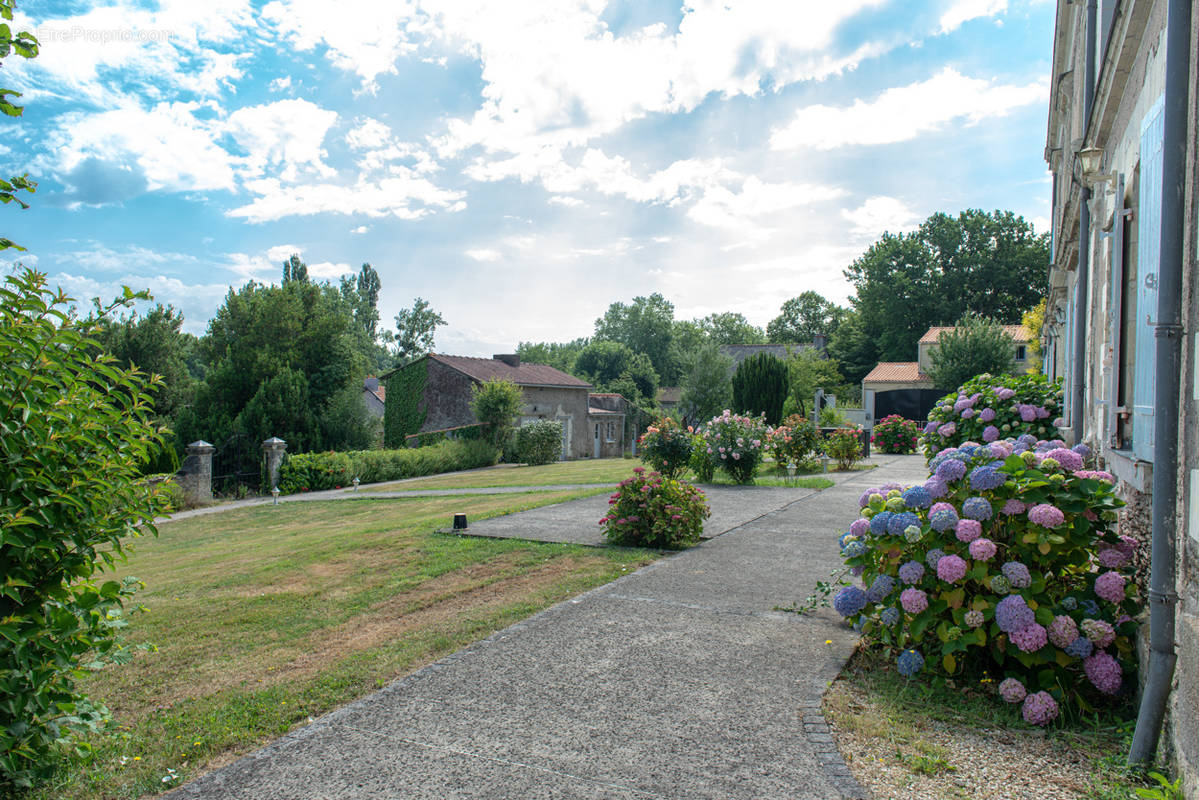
(593, 425)
(1122, 308)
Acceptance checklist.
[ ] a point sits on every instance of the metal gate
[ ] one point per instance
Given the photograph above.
(237, 467)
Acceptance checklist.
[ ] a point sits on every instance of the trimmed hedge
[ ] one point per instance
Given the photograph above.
(539, 442)
(311, 472)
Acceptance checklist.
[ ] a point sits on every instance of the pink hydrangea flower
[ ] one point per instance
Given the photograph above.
(1012, 690)
(1013, 507)
(1004, 393)
(1110, 586)
(1062, 631)
(982, 549)
(1030, 639)
(969, 529)
(951, 569)
(913, 600)
(948, 429)
(1039, 709)
(1100, 633)
(1103, 671)
(1112, 558)
(1069, 460)
(1046, 516)
(859, 527)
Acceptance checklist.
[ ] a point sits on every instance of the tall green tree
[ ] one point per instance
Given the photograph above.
(415, 329)
(25, 45)
(801, 318)
(644, 326)
(614, 367)
(808, 371)
(986, 263)
(496, 403)
(295, 270)
(974, 346)
(854, 351)
(730, 327)
(760, 387)
(707, 385)
(560, 355)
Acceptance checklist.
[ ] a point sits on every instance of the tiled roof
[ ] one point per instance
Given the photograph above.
(482, 369)
(740, 352)
(896, 372)
(1018, 333)
(597, 411)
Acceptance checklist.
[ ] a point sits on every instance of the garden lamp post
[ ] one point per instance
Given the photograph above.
(275, 496)
(356, 482)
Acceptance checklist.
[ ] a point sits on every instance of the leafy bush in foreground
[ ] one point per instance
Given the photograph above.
(987, 409)
(649, 510)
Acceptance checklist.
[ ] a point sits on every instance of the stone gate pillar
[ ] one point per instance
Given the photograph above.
(195, 474)
(272, 453)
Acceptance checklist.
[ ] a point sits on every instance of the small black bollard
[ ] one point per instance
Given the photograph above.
(460, 522)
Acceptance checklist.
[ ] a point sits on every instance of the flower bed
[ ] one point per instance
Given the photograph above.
(986, 409)
(1004, 563)
(651, 510)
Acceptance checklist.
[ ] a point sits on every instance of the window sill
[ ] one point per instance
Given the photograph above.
(1131, 470)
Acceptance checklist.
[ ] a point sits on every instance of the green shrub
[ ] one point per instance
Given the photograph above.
(760, 386)
(649, 510)
(736, 444)
(666, 447)
(539, 442)
(495, 403)
(311, 472)
(77, 432)
(895, 435)
(986, 409)
(794, 441)
(700, 462)
(844, 445)
(830, 417)
(1004, 565)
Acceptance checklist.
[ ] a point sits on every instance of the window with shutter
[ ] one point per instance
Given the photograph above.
(1149, 217)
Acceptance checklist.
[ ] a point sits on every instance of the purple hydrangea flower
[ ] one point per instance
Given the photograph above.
(935, 488)
(990, 433)
(917, 497)
(968, 413)
(977, 508)
(968, 530)
(933, 556)
(1004, 393)
(1001, 450)
(880, 587)
(1103, 671)
(1039, 709)
(909, 663)
(950, 470)
(974, 618)
(1030, 638)
(931, 426)
(878, 523)
(1110, 587)
(859, 526)
(1069, 460)
(962, 404)
(889, 616)
(987, 414)
(849, 601)
(982, 549)
(1082, 450)
(1112, 558)
(1046, 516)
(899, 522)
(864, 498)
(1012, 690)
(1098, 631)
(1013, 614)
(1127, 545)
(951, 569)
(1017, 574)
(1079, 648)
(948, 429)
(1062, 631)
(942, 517)
(1013, 507)
(911, 572)
(913, 600)
(1027, 413)
(985, 478)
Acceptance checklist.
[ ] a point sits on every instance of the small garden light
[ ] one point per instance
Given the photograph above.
(355, 482)
(275, 495)
(791, 471)
(460, 522)
(824, 461)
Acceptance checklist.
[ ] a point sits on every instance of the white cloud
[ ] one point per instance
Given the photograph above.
(368, 134)
(197, 301)
(281, 252)
(740, 211)
(403, 196)
(881, 214)
(905, 112)
(280, 84)
(285, 137)
(961, 11)
(564, 200)
(360, 229)
(328, 270)
(484, 254)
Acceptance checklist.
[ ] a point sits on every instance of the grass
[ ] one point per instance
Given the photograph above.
(266, 617)
(907, 738)
(603, 471)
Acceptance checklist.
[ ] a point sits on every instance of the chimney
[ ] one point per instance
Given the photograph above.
(511, 359)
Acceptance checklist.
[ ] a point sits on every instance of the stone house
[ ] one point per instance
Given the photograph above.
(374, 396)
(436, 390)
(1121, 310)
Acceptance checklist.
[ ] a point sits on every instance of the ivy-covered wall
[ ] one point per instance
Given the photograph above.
(405, 410)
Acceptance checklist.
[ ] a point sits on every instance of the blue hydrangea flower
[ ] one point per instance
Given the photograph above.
(943, 519)
(909, 663)
(1090, 606)
(1069, 603)
(899, 522)
(889, 616)
(843, 537)
(917, 497)
(911, 572)
(854, 549)
(878, 523)
(849, 601)
(983, 479)
(1082, 450)
(1012, 614)
(950, 470)
(1080, 647)
(977, 508)
(880, 587)
(935, 488)
(1017, 574)
(933, 557)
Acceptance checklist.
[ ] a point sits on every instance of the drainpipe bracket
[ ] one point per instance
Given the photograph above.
(1167, 330)
(1166, 598)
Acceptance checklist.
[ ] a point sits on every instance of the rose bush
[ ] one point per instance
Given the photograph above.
(736, 444)
(894, 434)
(845, 445)
(666, 447)
(651, 510)
(793, 442)
(987, 409)
(1004, 563)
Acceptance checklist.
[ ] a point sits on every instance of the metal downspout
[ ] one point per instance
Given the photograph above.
(1081, 284)
(1168, 364)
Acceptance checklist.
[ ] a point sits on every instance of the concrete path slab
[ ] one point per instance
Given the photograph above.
(678, 681)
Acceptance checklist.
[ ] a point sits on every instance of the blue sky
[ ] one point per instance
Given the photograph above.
(520, 165)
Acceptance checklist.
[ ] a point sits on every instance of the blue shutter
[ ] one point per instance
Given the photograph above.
(1116, 314)
(1149, 224)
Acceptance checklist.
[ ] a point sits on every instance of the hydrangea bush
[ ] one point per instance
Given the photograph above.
(736, 444)
(666, 447)
(1005, 562)
(987, 409)
(651, 510)
(894, 434)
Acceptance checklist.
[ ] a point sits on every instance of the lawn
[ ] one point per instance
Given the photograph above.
(601, 471)
(266, 617)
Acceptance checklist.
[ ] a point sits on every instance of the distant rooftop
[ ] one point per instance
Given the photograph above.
(740, 352)
(507, 367)
(896, 372)
(1018, 333)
